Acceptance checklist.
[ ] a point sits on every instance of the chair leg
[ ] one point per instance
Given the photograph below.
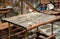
(53, 38)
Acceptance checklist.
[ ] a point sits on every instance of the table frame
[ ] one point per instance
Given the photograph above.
(26, 31)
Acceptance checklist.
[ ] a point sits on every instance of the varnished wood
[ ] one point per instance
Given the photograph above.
(4, 26)
(52, 28)
(56, 1)
(51, 12)
(57, 9)
(45, 1)
(21, 6)
(5, 8)
(18, 28)
(9, 31)
(3, 12)
(51, 37)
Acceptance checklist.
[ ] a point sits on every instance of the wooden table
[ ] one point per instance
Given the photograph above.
(31, 21)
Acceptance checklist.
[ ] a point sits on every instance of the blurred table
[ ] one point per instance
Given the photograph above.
(31, 20)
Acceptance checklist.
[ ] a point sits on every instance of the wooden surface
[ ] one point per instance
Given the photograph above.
(4, 26)
(32, 20)
(3, 12)
(5, 8)
(56, 1)
(51, 12)
(45, 1)
(58, 9)
(52, 36)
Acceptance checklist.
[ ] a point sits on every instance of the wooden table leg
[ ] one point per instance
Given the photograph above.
(52, 31)
(6, 15)
(9, 30)
(26, 35)
(37, 33)
(52, 28)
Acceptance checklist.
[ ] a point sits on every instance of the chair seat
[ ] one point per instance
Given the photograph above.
(4, 26)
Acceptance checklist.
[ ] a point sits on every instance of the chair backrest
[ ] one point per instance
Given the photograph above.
(56, 1)
(45, 1)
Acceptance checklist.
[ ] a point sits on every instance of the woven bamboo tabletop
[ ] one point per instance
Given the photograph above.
(32, 20)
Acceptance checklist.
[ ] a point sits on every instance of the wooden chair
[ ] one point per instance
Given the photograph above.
(51, 37)
(45, 1)
(4, 26)
(14, 32)
(4, 12)
(56, 3)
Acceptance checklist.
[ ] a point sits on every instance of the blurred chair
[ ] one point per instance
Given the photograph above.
(57, 3)
(45, 1)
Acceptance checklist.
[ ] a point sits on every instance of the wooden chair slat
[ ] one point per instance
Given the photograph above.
(45, 1)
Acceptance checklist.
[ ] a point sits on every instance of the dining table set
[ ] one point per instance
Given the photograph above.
(31, 21)
(30, 25)
(27, 26)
